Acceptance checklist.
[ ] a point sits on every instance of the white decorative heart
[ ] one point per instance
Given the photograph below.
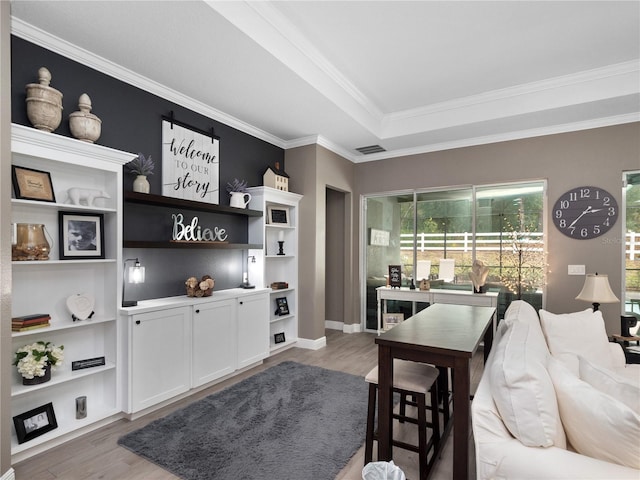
(81, 305)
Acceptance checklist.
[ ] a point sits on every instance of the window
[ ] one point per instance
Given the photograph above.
(631, 243)
(437, 234)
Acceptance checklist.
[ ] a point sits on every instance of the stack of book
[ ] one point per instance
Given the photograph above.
(30, 322)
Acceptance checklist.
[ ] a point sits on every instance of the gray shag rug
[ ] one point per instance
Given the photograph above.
(291, 421)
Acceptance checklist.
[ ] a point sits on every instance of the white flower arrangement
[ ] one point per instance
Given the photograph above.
(32, 359)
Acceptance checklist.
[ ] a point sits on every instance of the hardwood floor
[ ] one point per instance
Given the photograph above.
(97, 455)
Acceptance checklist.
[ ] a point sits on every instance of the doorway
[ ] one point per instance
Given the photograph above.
(335, 241)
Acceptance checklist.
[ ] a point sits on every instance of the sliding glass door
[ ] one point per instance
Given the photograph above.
(438, 234)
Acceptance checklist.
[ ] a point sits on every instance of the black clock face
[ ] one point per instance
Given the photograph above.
(585, 212)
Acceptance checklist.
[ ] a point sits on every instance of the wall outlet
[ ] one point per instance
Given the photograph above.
(576, 270)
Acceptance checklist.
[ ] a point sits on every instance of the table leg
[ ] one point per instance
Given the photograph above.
(385, 382)
(461, 415)
(488, 343)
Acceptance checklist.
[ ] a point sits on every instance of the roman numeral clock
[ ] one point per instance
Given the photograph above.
(585, 212)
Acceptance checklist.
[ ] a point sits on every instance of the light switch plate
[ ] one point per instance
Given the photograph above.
(576, 270)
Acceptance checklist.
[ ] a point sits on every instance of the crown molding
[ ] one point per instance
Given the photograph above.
(62, 47)
(502, 137)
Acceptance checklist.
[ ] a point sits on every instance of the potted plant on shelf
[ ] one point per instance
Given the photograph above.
(36, 360)
(141, 167)
(240, 198)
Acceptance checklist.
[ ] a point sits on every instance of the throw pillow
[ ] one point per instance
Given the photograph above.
(610, 383)
(579, 333)
(596, 424)
(522, 389)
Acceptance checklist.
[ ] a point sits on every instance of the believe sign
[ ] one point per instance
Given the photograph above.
(190, 164)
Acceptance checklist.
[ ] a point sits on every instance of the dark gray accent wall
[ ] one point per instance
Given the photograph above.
(132, 121)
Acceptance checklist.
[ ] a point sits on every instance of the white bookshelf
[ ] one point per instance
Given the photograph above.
(43, 286)
(271, 267)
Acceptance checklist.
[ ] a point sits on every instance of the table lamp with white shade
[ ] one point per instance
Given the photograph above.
(596, 290)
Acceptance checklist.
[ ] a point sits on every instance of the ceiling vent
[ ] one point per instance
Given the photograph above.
(371, 149)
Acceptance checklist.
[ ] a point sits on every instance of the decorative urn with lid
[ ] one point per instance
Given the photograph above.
(44, 103)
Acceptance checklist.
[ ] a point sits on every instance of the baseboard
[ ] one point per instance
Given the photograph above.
(309, 344)
(343, 327)
(9, 475)
(333, 325)
(352, 328)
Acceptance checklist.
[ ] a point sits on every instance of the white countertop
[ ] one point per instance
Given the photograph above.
(182, 300)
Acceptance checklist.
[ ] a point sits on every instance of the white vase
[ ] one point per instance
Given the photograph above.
(239, 199)
(141, 184)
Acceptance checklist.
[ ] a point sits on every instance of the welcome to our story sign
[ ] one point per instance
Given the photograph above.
(190, 164)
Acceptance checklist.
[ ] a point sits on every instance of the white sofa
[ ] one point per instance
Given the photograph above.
(536, 416)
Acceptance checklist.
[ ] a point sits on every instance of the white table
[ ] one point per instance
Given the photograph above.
(434, 295)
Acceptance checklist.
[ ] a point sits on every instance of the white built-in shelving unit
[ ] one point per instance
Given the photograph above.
(269, 266)
(44, 286)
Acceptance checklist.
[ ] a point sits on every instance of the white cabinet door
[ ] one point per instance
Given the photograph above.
(253, 329)
(213, 342)
(160, 356)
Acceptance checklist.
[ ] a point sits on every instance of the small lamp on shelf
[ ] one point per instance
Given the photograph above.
(245, 273)
(596, 290)
(135, 274)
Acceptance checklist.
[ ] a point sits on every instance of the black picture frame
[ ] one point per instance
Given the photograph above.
(278, 215)
(282, 306)
(34, 423)
(31, 184)
(395, 276)
(279, 337)
(80, 235)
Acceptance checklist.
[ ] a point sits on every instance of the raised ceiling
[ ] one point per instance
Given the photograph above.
(412, 77)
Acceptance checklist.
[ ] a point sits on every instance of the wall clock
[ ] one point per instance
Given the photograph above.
(585, 212)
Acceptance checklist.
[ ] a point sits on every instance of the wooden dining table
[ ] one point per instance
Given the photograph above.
(446, 336)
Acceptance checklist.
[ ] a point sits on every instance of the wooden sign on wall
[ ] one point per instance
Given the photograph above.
(190, 164)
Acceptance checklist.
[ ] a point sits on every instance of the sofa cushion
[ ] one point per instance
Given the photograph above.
(579, 333)
(522, 389)
(596, 424)
(521, 312)
(609, 382)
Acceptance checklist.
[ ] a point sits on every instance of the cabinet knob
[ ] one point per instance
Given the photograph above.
(137, 322)
(198, 311)
(241, 303)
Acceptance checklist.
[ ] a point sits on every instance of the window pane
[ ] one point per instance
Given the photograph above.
(510, 242)
(444, 232)
(632, 243)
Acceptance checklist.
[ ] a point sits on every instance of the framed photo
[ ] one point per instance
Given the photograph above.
(34, 423)
(81, 235)
(283, 306)
(278, 215)
(30, 184)
(395, 276)
(279, 337)
(390, 320)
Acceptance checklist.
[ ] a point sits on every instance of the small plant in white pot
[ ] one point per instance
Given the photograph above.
(141, 167)
(240, 198)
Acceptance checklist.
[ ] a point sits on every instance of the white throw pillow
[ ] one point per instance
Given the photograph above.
(610, 383)
(579, 333)
(596, 424)
(522, 389)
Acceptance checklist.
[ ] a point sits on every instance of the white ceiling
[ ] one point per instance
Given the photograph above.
(413, 76)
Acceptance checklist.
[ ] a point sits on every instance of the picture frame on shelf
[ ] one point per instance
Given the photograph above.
(278, 216)
(35, 422)
(31, 184)
(390, 320)
(81, 235)
(282, 306)
(279, 337)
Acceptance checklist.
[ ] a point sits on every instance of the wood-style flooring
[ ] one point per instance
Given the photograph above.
(97, 455)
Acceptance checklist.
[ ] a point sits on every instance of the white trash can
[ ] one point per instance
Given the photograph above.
(382, 471)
